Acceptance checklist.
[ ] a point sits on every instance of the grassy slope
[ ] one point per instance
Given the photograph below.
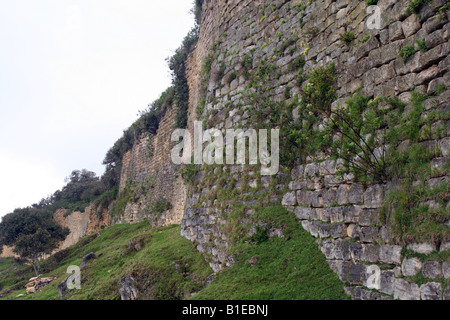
(291, 269)
(305, 276)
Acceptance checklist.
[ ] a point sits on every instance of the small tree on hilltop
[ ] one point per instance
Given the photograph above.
(33, 233)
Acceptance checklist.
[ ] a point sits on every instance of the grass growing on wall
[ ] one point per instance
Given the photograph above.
(289, 268)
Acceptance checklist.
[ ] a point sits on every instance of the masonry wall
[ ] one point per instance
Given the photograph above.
(149, 169)
(343, 215)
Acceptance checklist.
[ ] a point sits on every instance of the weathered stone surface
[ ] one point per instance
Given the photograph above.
(372, 277)
(351, 213)
(396, 31)
(368, 217)
(356, 251)
(368, 234)
(431, 291)
(356, 273)
(446, 295)
(373, 196)
(311, 170)
(446, 269)
(324, 230)
(86, 259)
(342, 194)
(128, 290)
(444, 144)
(387, 281)
(360, 294)
(370, 253)
(329, 197)
(289, 199)
(303, 213)
(336, 214)
(341, 268)
(328, 249)
(338, 230)
(410, 267)
(426, 75)
(403, 290)
(342, 249)
(432, 269)
(424, 248)
(411, 25)
(355, 194)
(390, 254)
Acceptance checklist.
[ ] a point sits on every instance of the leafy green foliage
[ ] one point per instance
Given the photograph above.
(159, 206)
(32, 232)
(416, 5)
(320, 91)
(197, 10)
(261, 235)
(188, 172)
(357, 143)
(347, 37)
(147, 123)
(406, 52)
(82, 188)
(381, 141)
(421, 44)
(177, 65)
(371, 2)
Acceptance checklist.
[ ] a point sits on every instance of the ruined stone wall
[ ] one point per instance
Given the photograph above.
(343, 215)
(152, 176)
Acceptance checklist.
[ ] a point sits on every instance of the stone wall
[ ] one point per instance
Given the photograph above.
(149, 169)
(343, 215)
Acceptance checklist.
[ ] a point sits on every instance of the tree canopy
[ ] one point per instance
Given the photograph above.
(33, 233)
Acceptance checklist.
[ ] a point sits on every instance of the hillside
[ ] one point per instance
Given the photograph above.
(341, 191)
(166, 266)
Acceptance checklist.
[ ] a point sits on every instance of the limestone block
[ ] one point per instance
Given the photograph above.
(403, 290)
(373, 196)
(355, 193)
(446, 269)
(368, 234)
(411, 25)
(390, 254)
(387, 281)
(370, 253)
(423, 248)
(396, 31)
(432, 269)
(431, 291)
(410, 267)
(329, 197)
(289, 199)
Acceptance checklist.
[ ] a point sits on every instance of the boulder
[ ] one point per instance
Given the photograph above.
(62, 287)
(86, 258)
(431, 291)
(404, 290)
(128, 290)
(410, 267)
(432, 269)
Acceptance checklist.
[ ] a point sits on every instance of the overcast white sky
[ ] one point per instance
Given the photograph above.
(73, 76)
